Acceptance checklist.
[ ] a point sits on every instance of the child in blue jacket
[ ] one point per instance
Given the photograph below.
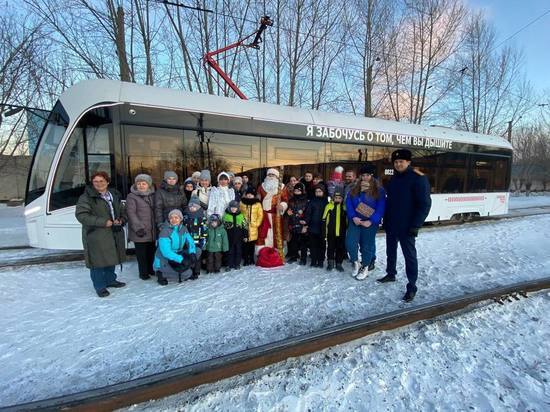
(176, 250)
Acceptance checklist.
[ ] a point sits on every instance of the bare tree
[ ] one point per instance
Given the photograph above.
(490, 89)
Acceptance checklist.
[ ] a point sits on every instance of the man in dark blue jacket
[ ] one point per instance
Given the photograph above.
(407, 206)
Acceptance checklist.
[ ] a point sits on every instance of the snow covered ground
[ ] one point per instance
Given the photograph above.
(495, 358)
(58, 337)
(13, 231)
(533, 200)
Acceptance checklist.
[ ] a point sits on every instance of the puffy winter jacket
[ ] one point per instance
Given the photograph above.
(140, 207)
(254, 215)
(314, 215)
(197, 225)
(167, 198)
(235, 226)
(173, 240)
(379, 206)
(217, 239)
(335, 220)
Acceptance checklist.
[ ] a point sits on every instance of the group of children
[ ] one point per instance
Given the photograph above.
(318, 225)
(227, 239)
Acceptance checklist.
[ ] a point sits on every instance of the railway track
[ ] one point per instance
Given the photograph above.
(173, 381)
(72, 255)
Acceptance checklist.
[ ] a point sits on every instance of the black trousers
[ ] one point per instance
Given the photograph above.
(318, 245)
(214, 262)
(145, 254)
(235, 254)
(408, 248)
(297, 246)
(248, 252)
(336, 248)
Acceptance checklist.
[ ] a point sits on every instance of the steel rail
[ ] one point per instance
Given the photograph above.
(176, 380)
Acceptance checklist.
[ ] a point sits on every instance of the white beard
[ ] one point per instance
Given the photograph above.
(271, 185)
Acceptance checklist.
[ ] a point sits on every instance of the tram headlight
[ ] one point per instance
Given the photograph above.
(132, 112)
(31, 211)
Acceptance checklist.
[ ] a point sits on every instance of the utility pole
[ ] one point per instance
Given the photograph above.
(510, 131)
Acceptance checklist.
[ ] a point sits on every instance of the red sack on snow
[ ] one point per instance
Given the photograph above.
(268, 258)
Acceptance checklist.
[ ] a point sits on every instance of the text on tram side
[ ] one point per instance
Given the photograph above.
(377, 137)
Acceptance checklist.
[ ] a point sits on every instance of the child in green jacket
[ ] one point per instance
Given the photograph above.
(216, 244)
(237, 230)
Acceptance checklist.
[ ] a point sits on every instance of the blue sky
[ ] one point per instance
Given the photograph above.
(508, 16)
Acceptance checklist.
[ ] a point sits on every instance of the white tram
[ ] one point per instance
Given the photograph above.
(126, 129)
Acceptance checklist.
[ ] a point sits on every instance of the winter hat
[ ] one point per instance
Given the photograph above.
(337, 174)
(273, 172)
(144, 178)
(170, 174)
(403, 154)
(339, 191)
(369, 168)
(205, 175)
(176, 212)
(194, 201)
(300, 186)
(223, 174)
(189, 180)
(321, 187)
(214, 217)
(250, 190)
(231, 175)
(196, 175)
(238, 179)
(233, 203)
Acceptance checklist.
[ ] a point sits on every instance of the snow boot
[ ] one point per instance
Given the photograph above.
(102, 293)
(303, 262)
(339, 267)
(144, 277)
(330, 264)
(387, 278)
(409, 296)
(161, 279)
(116, 284)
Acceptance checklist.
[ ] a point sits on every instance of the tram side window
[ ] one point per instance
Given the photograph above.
(487, 174)
(295, 157)
(238, 154)
(426, 162)
(87, 151)
(153, 150)
(352, 156)
(452, 172)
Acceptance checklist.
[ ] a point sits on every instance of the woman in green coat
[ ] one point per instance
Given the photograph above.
(103, 216)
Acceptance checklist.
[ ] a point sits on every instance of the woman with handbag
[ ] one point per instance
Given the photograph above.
(102, 215)
(365, 205)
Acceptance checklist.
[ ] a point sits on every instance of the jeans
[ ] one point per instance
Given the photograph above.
(102, 277)
(365, 238)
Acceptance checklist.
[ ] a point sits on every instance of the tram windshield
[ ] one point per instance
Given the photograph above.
(43, 157)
